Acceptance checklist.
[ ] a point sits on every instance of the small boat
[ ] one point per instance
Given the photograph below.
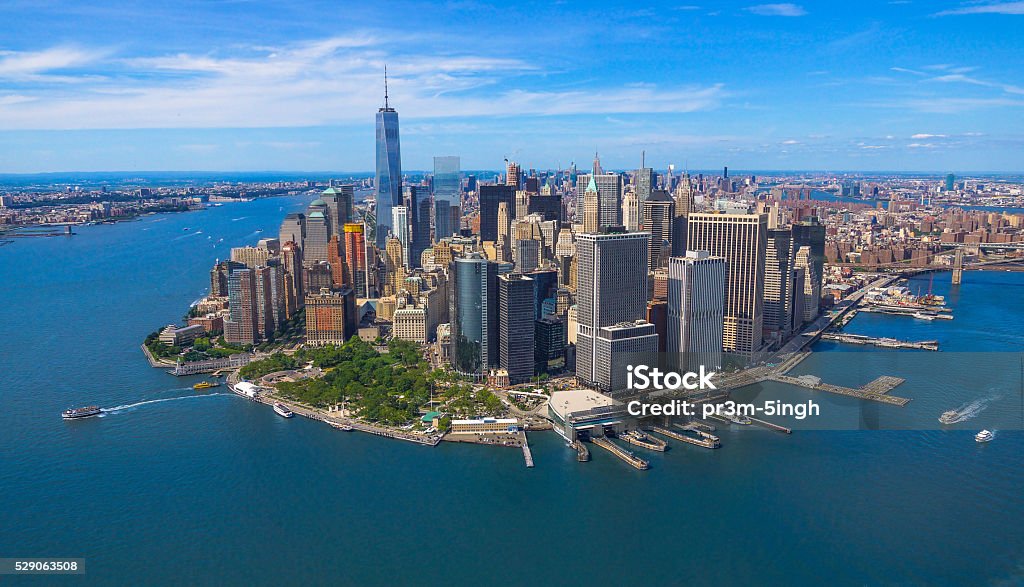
(85, 412)
(205, 385)
(340, 426)
(949, 417)
(923, 316)
(282, 410)
(984, 436)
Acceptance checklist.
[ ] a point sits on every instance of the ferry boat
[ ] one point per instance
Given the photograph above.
(923, 316)
(81, 412)
(205, 385)
(949, 417)
(738, 419)
(282, 410)
(984, 436)
(340, 426)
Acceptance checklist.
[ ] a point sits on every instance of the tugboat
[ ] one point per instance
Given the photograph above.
(984, 436)
(85, 412)
(205, 385)
(949, 417)
(282, 410)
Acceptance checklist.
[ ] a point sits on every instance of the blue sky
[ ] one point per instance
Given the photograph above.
(252, 85)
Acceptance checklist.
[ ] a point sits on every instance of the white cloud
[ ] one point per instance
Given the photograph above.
(923, 135)
(998, 8)
(786, 9)
(330, 81)
(35, 65)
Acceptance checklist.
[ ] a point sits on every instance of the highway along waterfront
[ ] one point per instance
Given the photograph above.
(177, 490)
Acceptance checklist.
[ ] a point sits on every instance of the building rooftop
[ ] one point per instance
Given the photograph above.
(577, 400)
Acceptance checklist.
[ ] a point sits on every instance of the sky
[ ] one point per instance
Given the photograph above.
(241, 85)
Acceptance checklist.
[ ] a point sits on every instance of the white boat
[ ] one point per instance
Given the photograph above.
(923, 316)
(282, 410)
(949, 417)
(984, 436)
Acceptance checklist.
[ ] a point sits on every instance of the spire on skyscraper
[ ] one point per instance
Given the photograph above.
(385, 87)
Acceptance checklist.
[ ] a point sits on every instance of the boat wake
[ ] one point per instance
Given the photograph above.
(237, 219)
(970, 410)
(122, 408)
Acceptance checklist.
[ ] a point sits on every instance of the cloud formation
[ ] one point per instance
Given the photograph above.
(786, 9)
(998, 8)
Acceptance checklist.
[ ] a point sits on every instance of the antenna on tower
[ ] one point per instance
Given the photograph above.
(385, 87)
(643, 156)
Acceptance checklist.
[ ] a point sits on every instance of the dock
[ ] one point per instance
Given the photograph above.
(527, 455)
(878, 390)
(637, 438)
(889, 343)
(770, 426)
(582, 452)
(704, 439)
(622, 453)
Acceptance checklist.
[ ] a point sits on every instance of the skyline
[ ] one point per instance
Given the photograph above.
(243, 87)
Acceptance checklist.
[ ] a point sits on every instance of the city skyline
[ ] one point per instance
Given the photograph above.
(787, 86)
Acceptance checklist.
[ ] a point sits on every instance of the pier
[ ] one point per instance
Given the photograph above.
(622, 453)
(637, 438)
(931, 314)
(877, 390)
(527, 455)
(770, 426)
(889, 343)
(704, 439)
(582, 452)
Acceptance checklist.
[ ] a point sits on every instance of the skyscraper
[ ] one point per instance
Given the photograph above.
(741, 239)
(515, 332)
(630, 212)
(591, 207)
(355, 258)
(611, 304)
(473, 310)
(339, 206)
(418, 203)
(394, 266)
(696, 310)
(609, 191)
(293, 228)
(241, 325)
(513, 175)
(400, 229)
(389, 167)
(809, 247)
(778, 275)
(447, 193)
(330, 316)
(657, 218)
(490, 197)
(318, 232)
(291, 258)
(645, 183)
(336, 257)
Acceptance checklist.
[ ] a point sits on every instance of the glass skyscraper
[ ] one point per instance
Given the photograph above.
(389, 168)
(447, 188)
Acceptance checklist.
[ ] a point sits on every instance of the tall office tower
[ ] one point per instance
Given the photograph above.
(291, 260)
(778, 274)
(609, 192)
(394, 266)
(526, 255)
(741, 239)
(400, 228)
(490, 197)
(611, 296)
(549, 343)
(696, 310)
(318, 232)
(565, 247)
(949, 182)
(809, 244)
(317, 276)
(447, 194)
(421, 232)
(796, 285)
(240, 327)
(515, 330)
(336, 257)
(503, 246)
(522, 204)
(269, 299)
(473, 309)
(549, 206)
(330, 316)
(591, 208)
(683, 195)
(513, 174)
(293, 229)
(219, 277)
(646, 181)
(355, 258)
(339, 206)
(251, 257)
(657, 218)
(389, 167)
(631, 212)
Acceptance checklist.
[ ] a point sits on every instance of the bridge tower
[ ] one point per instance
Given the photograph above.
(958, 266)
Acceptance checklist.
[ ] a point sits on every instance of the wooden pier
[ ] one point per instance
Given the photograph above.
(705, 440)
(878, 390)
(527, 455)
(637, 438)
(622, 453)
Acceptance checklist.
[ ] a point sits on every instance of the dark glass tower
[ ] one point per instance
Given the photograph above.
(447, 193)
(490, 197)
(474, 313)
(389, 167)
